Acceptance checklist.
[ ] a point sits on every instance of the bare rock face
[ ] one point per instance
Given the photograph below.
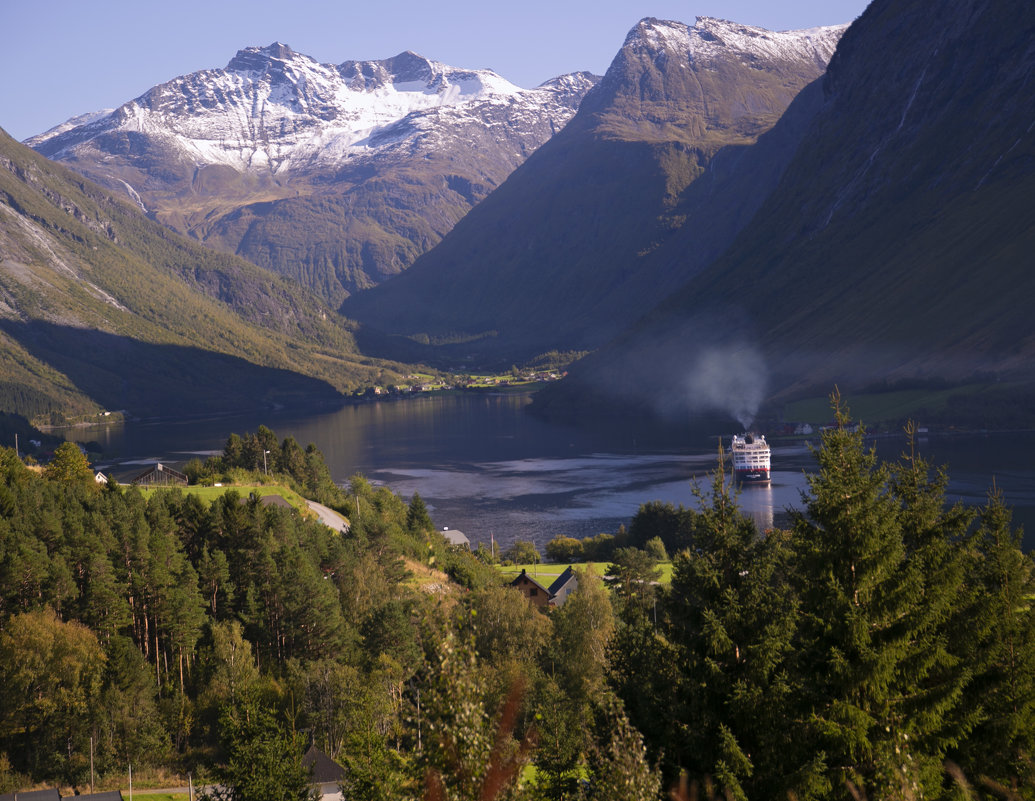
(336, 176)
(727, 77)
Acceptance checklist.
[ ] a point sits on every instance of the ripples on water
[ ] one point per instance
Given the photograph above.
(538, 499)
(485, 467)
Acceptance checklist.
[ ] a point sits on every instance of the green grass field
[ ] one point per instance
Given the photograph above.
(873, 408)
(209, 494)
(545, 573)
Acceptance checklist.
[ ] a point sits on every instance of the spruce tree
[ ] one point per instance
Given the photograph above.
(263, 758)
(730, 619)
(857, 592)
(1000, 751)
(418, 521)
(945, 632)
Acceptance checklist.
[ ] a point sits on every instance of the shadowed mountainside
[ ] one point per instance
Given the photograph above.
(162, 380)
(895, 247)
(562, 254)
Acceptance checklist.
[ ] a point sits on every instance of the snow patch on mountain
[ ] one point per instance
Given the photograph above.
(712, 40)
(78, 121)
(276, 110)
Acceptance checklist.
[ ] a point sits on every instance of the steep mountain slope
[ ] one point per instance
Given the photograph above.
(557, 257)
(897, 244)
(101, 308)
(337, 176)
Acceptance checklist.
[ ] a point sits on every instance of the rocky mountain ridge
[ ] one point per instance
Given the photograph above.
(710, 40)
(237, 157)
(277, 111)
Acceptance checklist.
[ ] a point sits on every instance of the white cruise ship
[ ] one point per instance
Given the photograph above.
(750, 459)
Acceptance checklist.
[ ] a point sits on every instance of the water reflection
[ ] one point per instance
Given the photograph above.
(756, 501)
(486, 467)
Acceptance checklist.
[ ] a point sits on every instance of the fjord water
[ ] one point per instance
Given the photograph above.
(486, 467)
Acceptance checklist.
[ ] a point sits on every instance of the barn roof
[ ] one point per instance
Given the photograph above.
(324, 769)
(161, 472)
(456, 537)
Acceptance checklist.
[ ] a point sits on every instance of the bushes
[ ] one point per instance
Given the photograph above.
(564, 549)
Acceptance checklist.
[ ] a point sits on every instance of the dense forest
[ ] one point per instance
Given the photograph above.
(881, 647)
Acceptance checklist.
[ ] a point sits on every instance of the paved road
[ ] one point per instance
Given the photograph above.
(329, 517)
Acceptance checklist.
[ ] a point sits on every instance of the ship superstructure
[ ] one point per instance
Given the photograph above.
(751, 463)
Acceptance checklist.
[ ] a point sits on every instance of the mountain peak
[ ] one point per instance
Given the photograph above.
(257, 59)
(279, 128)
(711, 39)
(407, 67)
(658, 34)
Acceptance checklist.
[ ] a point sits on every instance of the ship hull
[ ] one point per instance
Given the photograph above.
(751, 476)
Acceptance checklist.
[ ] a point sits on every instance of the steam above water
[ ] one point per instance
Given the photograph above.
(729, 379)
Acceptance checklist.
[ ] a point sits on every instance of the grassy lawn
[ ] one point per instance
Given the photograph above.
(545, 573)
(209, 494)
(877, 407)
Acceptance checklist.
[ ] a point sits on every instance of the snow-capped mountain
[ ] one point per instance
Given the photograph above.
(274, 110)
(712, 40)
(279, 129)
(713, 64)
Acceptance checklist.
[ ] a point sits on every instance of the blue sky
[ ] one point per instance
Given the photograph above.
(67, 57)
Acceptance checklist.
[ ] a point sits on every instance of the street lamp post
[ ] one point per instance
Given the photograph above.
(264, 468)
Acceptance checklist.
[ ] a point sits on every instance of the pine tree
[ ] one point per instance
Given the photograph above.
(876, 568)
(418, 521)
(730, 618)
(1001, 748)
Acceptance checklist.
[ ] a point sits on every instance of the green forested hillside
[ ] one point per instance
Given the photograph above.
(103, 308)
(884, 646)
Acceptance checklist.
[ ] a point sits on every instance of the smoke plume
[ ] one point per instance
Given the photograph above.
(728, 378)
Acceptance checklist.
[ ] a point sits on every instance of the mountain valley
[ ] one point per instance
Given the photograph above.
(892, 251)
(562, 255)
(724, 220)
